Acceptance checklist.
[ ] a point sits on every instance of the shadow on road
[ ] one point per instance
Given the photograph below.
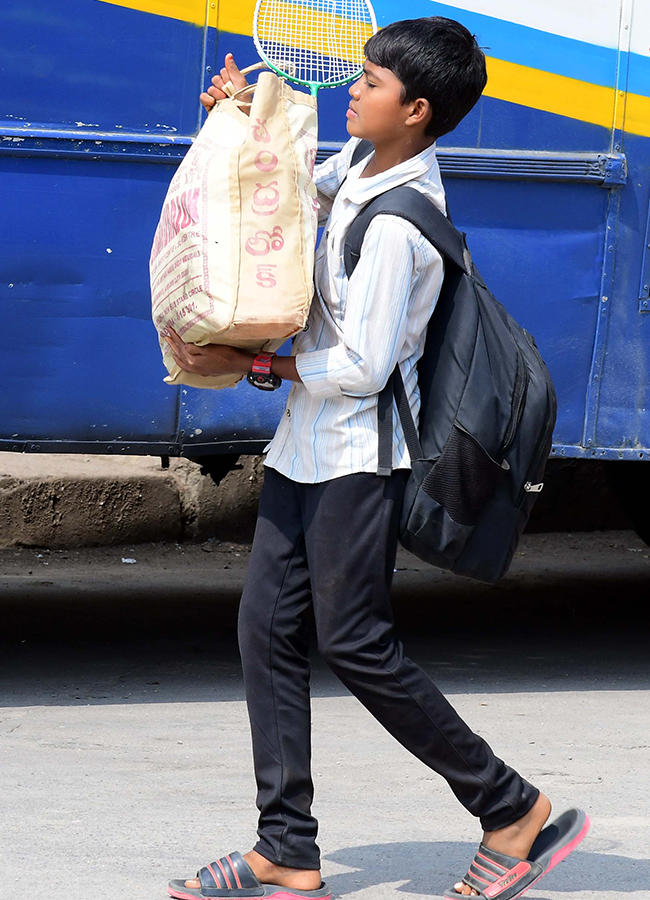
(431, 868)
(85, 627)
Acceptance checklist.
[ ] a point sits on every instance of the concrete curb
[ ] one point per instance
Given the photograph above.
(62, 500)
(68, 500)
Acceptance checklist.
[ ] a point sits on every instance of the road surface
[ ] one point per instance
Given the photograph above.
(124, 748)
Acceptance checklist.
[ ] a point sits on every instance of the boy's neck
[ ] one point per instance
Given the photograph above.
(387, 156)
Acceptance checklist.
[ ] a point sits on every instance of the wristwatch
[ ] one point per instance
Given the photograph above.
(261, 376)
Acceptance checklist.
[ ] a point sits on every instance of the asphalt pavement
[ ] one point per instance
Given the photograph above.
(124, 748)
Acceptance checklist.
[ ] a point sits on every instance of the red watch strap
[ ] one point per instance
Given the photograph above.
(262, 363)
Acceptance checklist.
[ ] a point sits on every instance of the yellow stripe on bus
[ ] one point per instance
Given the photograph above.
(236, 18)
(550, 93)
(569, 97)
(507, 81)
(637, 114)
(193, 11)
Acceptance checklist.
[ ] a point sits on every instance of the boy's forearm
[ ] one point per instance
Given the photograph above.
(284, 366)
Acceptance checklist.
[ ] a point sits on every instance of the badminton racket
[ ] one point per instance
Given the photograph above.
(315, 43)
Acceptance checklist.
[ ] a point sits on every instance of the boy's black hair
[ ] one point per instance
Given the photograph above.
(434, 58)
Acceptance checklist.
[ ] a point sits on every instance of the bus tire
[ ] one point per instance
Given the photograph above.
(631, 482)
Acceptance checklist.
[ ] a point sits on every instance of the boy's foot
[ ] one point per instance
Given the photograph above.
(268, 873)
(514, 840)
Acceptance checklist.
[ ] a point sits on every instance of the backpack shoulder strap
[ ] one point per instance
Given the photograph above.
(364, 148)
(412, 205)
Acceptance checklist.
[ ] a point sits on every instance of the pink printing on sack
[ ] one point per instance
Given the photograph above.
(260, 132)
(310, 160)
(265, 241)
(265, 202)
(309, 139)
(178, 213)
(265, 277)
(266, 195)
(265, 161)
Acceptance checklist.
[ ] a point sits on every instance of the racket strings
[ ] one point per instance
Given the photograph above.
(314, 41)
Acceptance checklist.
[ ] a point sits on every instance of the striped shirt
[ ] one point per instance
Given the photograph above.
(359, 329)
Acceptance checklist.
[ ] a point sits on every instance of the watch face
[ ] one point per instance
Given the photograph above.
(263, 381)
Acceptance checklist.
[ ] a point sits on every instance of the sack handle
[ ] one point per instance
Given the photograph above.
(247, 89)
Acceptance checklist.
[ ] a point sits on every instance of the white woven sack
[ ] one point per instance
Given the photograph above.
(232, 257)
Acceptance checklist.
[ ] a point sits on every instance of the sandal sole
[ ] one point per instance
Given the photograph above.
(561, 853)
(178, 891)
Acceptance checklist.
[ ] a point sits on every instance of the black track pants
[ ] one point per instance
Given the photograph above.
(333, 545)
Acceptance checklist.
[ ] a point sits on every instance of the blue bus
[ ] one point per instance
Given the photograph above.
(549, 176)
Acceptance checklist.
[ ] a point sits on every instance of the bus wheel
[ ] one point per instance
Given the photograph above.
(217, 465)
(631, 481)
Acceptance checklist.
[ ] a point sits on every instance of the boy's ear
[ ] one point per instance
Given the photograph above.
(420, 112)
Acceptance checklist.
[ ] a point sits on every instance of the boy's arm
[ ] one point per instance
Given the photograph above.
(220, 359)
(395, 261)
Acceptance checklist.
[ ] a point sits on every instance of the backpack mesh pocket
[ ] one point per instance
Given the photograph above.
(463, 479)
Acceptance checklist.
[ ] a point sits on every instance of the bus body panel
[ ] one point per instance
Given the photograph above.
(549, 176)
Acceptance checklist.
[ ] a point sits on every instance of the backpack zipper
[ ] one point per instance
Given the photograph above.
(518, 402)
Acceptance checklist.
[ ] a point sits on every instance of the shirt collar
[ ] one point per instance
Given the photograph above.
(422, 168)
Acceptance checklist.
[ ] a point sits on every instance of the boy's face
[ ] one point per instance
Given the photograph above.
(376, 111)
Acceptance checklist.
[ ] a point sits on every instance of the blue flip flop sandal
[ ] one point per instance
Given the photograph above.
(232, 877)
(496, 875)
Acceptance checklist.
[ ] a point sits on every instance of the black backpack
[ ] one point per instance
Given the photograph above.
(487, 413)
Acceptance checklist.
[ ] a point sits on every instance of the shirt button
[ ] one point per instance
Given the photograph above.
(289, 413)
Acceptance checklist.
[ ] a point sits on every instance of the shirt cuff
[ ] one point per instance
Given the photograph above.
(316, 371)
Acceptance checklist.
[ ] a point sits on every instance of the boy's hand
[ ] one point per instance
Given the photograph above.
(211, 359)
(230, 72)
(218, 359)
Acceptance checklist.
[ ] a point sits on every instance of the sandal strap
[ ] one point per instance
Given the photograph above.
(230, 873)
(496, 874)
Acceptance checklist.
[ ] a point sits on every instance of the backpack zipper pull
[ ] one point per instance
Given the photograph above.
(533, 488)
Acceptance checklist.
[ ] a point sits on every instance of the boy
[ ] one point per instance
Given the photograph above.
(327, 527)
